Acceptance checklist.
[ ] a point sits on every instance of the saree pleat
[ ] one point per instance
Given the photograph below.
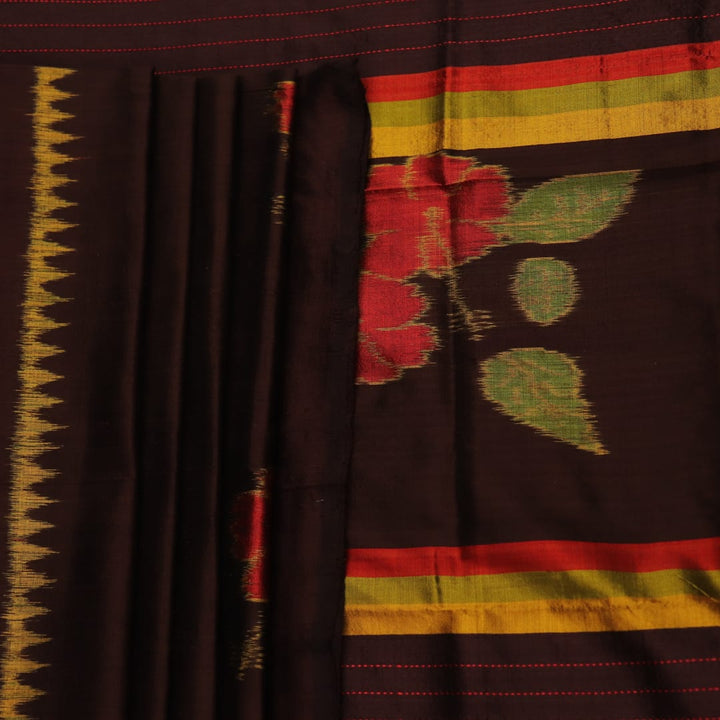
(194, 609)
(159, 393)
(316, 374)
(174, 434)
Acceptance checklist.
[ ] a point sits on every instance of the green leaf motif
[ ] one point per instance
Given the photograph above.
(568, 209)
(542, 389)
(545, 289)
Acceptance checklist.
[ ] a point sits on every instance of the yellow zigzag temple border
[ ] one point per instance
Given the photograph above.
(30, 437)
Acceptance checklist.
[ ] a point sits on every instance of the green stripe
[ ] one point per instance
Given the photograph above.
(513, 587)
(691, 85)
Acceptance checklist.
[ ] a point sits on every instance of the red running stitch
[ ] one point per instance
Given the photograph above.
(250, 16)
(316, 58)
(293, 62)
(186, 21)
(242, 41)
(334, 33)
(525, 666)
(68, 2)
(529, 693)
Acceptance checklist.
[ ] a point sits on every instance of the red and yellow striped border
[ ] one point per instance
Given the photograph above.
(641, 92)
(528, 587)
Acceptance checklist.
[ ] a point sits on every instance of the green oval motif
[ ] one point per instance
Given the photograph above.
(545, 289)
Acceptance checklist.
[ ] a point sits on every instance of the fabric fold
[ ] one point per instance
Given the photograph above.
(325, 204)
(180, 348)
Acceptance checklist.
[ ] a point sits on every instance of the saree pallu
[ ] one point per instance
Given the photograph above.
(306, 423)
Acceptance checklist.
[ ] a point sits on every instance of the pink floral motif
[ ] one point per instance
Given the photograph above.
(428, 215)
(391, 339)
(432, 214)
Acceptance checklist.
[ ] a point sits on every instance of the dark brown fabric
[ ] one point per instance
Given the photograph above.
(210, 345)
(313, 425)
(397, 36)
(196, 304)
(541, 662)
(649, 291)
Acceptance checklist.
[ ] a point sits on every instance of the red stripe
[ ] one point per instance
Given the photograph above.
(548, 73)
(534, 556)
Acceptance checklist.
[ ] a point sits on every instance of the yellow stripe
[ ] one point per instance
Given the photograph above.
(577, 126)
(514, 587)
(30, 439)
(538, 616)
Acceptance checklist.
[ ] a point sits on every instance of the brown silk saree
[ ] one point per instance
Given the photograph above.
(360, 362)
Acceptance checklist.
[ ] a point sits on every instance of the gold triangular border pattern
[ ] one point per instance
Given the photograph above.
(30, 439)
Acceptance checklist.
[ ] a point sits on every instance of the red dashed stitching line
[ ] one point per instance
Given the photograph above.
(242, 41)
(347, 31)
(529, 693)
(525, 666)
(251, 16)
(317, 58)
(69, 2)
(548, 10)
(186, 21)
(586, 30)
(301, 60)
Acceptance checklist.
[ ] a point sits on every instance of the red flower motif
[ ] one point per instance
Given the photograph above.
(248, 529)
(431, 214)
(284, 98)
(390, 338)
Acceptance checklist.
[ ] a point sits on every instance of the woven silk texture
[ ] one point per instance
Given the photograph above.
(360, 361)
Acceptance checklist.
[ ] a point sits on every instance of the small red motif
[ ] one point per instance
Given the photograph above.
(249, 532)
(431, 214)
(284, 96)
